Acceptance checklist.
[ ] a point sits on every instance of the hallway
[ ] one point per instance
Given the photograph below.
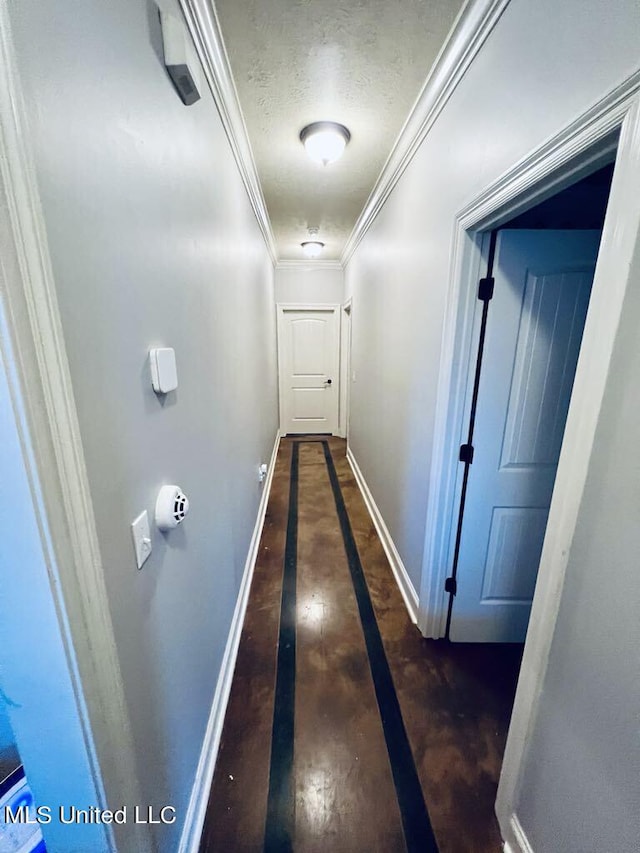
(335, 776)
(187, 188)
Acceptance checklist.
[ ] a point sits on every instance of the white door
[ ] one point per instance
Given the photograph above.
(534, 330)
(309, 354)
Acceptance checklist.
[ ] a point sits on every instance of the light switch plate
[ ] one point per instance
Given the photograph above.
(141, 538)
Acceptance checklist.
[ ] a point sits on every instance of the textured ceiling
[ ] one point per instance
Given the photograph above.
(358, 62)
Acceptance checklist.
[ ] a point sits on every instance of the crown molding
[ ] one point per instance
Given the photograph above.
(469, 32)
(595, 130)
(309, 265)
(204, 27)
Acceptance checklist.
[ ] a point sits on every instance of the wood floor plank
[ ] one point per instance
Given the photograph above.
(237, 804)
(345, 793)
(455, 700)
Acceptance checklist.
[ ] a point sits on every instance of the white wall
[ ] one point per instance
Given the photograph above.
(309, 284)
(580, 786)
(543, 65)
(153, 241)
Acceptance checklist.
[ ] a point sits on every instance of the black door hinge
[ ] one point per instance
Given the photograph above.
(485, 288)
(466, 453)
(451, 585)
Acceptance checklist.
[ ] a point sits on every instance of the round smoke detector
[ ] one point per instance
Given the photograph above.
(172, 506)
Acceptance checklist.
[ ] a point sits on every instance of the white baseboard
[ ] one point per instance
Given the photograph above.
(517, 841)
(403, 580)
(196, 811)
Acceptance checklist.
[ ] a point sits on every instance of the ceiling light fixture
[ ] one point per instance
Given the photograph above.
(324, 141)
(312, 248)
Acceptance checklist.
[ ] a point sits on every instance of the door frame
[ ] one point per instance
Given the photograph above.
(475, 307)
(45, 415)
(281, 307)
(611, 128)
(345, 367)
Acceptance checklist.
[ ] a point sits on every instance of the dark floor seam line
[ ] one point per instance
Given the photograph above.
(418, 832)
(279, 828)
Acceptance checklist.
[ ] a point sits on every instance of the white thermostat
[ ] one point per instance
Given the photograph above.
(172, 505)
(164, 374)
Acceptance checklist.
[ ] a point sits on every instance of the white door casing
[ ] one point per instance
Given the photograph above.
(536, 318)
(309, 368)
(345, 366)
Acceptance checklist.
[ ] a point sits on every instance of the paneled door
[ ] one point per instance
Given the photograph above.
(309, 356)
(534, 330)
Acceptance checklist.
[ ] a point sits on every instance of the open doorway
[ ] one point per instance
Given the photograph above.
(571, 219)
(530, 315)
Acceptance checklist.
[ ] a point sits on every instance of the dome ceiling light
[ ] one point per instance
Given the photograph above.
(324, 141)
(312, 248)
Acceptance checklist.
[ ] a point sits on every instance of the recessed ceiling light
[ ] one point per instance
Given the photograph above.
(324, 141)
(312, 248)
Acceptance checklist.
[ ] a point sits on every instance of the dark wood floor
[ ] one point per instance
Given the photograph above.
(455, 700)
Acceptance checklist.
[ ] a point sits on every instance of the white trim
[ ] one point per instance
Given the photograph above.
(450, 402)
(517, 842)
(345, 368)
(281, 308)
(197, 808)
(403, 580)
(541, 171)
(610, 285)
(469, 32)
(309, 265)
(204, 27)
(49, 428)
(308, 306)
(578, 148)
